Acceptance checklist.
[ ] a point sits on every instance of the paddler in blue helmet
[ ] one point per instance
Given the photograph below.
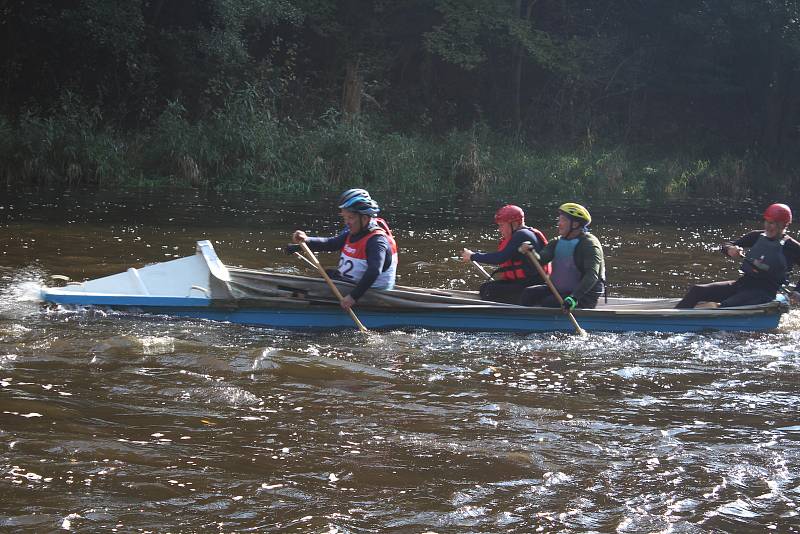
(368, 251)
(578, 264)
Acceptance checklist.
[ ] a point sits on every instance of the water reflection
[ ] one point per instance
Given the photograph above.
(153, 424)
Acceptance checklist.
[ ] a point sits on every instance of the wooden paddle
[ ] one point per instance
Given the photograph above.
(526, 251)
(315, 261)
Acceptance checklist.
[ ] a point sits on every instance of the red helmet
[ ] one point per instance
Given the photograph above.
(778, 213)
(509, 214)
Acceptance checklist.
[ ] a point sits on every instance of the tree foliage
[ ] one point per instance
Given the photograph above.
(709, 77)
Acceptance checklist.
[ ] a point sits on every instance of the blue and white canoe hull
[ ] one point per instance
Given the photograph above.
(202, 287)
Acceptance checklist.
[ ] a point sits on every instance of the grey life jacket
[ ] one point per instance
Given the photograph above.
(566, 275)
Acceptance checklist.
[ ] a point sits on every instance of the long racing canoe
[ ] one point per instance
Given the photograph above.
(203, 287)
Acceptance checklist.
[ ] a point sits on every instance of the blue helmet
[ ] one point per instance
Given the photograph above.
(351, 196)
(363, 206)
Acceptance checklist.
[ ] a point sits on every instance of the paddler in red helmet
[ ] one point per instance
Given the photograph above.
(514, 272)
(770, 256)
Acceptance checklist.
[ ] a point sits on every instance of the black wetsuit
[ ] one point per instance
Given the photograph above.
(752, 287)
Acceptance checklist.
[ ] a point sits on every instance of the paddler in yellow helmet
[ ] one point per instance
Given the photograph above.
(578, 264)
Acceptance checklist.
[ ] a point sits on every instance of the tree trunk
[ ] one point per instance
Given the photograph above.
(351, 91)
(770, 135)
(516, 83)
(522, 9)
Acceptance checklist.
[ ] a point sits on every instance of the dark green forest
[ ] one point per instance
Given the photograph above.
(605, 97)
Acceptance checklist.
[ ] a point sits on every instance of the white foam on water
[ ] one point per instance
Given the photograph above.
(66, 524)
(23, 294)
(153, 345)
(737, 508)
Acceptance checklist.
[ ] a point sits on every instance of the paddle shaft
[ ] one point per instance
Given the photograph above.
(311, 263)
(333, 287)
(481, 269)
(553, 289)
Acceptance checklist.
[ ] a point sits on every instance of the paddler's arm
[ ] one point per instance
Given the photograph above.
(791, 249)
(592, 261)
(547, 253)
(507, 252)
(327, 244)
(733, 249)
(377, 248)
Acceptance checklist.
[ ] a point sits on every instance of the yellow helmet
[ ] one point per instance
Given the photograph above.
(575, 211)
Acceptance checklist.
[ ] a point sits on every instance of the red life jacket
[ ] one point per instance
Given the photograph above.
(383, 224)
(514, 269)
(353, 259)
(359, 249)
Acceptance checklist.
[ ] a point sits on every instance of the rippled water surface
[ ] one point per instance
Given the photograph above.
(135, 423)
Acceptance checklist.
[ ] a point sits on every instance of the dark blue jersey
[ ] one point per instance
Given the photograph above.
(379, 255)
(511, 250)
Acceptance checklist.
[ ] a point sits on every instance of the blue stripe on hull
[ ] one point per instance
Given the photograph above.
(332, 318)
(124, 302)
(467, 319)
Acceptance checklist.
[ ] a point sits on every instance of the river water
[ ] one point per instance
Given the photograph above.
(112, 422)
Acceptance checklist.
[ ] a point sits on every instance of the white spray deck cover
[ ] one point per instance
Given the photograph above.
(195, 277)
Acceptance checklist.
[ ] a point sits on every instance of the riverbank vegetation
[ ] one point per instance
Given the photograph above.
(610, 98)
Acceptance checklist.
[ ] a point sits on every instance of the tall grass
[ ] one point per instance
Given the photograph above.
(245, 146)
(65, 146)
